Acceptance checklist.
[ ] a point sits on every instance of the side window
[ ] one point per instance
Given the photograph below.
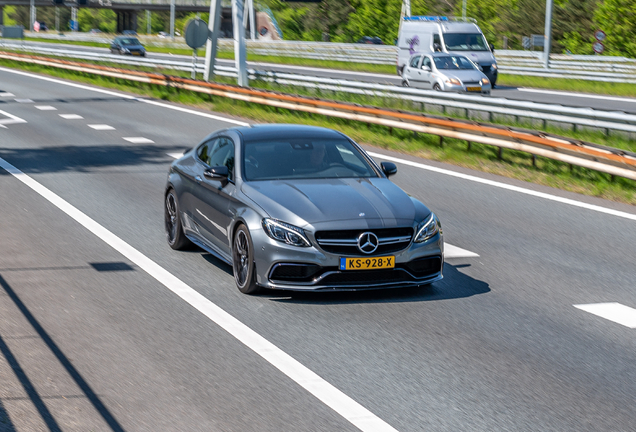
(426, 62)
(437, 43)
(219, 152)
(414, 61)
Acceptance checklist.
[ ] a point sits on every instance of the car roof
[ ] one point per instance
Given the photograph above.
(267, 132)
(437, 54)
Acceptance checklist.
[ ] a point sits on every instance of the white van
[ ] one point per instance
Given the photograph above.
(445, 34)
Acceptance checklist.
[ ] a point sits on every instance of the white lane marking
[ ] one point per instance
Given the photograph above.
(71, 116)
(11, 120)
(24, 100)
(138, 140)
(6, 94)
(46, 108)
(348, 408)
(175, 155)
(581, 95)
(101, 127)
(451, 251)
(615, 312)
(125, 96)
(543, 195)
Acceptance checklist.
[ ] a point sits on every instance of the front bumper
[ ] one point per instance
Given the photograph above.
(283, 267)
(471, 89)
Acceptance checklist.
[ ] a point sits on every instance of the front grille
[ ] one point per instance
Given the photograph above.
(294, 272)
(361, 277)
(424, 266)
(345, 242)
(471, 83)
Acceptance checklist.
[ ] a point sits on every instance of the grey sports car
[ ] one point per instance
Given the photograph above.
(300, 208)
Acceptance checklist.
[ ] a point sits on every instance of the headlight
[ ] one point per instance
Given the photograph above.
(427, 229)
(285, 233)
(493, 66)
(485, 81)
(453, 81)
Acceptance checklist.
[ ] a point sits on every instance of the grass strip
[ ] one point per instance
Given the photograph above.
(481, 157)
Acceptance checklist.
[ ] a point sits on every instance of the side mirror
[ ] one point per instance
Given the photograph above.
(426, 68)
(217, 173)
(492, 48)
(437, 47)
(388, 168)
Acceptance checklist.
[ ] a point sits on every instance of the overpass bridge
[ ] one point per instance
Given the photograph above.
(127, 10)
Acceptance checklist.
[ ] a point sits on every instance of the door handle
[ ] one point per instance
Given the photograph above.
(198, 179)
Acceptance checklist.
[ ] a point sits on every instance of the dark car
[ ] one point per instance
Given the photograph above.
(127, 45)
(300, 208)
(370, 40)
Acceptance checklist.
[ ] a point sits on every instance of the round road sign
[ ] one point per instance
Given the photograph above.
(600, 35)
(598, 47)
(196, 33)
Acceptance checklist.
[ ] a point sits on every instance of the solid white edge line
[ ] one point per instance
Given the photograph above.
(581, 95)
(348, 408)
(500, 185)
(125, 96)
(614, 312)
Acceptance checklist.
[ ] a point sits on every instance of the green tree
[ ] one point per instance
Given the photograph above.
(617, 18)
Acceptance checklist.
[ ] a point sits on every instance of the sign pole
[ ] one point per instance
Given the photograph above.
(548, 34)
(240, 57)
(213, 34)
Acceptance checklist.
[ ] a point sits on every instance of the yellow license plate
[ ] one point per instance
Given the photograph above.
(370, 263)
(136, 53)
(473, 88)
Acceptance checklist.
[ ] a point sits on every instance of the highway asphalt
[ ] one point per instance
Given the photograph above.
(563, 98)
(93, 337)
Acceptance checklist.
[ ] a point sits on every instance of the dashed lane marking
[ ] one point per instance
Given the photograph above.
(175, 155)
(71, 116)
(139, 140)
(24, 100)
(46, 108)
(6, 94)
(327, 393)
(101, 127)
(615, 312)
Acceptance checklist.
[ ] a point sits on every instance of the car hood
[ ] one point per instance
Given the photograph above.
(463, 75)
(481, 57)
(367, 202)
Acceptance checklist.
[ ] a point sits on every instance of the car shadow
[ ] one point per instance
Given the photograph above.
(454, 285)
(86, 158)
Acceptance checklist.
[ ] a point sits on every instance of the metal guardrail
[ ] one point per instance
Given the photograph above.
(513, 62)
(584, 117)
(589, 155)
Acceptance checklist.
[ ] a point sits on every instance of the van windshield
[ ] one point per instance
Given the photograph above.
(465, 42)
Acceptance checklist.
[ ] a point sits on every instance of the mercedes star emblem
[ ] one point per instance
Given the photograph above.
(368, 242)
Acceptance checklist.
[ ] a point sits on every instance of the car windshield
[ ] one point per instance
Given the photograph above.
(453, 62)
(465, 42)
(129, 41)
(304, 159)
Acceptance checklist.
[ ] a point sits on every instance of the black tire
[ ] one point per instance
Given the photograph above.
(174, 230)
(436, 87)
(243, 261)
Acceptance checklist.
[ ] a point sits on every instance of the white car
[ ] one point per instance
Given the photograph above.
(445, 72)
